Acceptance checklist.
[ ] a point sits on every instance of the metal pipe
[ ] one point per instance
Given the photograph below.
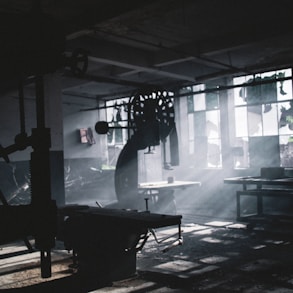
(46, 270)
(21, 106)
(40, 102)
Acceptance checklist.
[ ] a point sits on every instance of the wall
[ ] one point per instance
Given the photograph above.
(15, 175)
(86, 180)
(73, 120)
(81, 156)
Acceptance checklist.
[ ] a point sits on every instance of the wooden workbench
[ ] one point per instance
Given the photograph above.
(259, 188)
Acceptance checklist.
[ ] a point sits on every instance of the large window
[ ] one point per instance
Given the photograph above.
(260, 130)
(204, 128)
(116, 113)
(263, 120)
(260, 122)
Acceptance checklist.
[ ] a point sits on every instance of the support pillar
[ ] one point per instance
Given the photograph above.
(54, 121)
(225, 110)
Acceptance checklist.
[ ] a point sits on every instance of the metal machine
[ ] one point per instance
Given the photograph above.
(38, 50)
(92, 233)
(105, 241)
(151, 120)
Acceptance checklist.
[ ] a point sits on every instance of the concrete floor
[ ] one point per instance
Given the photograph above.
(217, 255)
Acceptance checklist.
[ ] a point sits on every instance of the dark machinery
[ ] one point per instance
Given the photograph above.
(37, 50)
(105, 241)
(38, 218)
(151, 119)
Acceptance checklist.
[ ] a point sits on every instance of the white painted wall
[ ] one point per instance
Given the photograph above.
(73, 120)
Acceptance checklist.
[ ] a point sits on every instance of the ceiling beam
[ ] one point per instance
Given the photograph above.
(103, 79)
(141, 68)
(110, 53)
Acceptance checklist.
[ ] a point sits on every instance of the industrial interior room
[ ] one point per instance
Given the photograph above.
(146, 146)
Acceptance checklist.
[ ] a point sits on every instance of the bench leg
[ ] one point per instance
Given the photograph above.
(259, 205)
(238, 205)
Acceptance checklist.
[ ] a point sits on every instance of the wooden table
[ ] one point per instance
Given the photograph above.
(161, 193)
(259, 187)
(260, 182)
(105, 241)
(165, 185)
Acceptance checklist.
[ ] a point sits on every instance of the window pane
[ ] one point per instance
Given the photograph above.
(284, 90)
(212, 98)
(117, 117)
(270, 120)
(264, 120)
(286, 150)
(268, 90)
(199, 99)
(199, 124)
(240, 92)
(238, 100)
(199, 102)
(241, 121)
(200, 152)
(251, 94)
(212, 124)
(214, 153)
(286, 118)
(190, 106)
(212, 101)
(284, 87)
(254, 117)
(189, 98)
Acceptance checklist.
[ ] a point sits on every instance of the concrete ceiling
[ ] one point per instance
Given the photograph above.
(133, 44)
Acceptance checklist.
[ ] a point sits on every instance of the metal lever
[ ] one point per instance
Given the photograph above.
(146, 204)
(178, 241)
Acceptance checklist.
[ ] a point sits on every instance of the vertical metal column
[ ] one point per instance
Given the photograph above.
(44, 209)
